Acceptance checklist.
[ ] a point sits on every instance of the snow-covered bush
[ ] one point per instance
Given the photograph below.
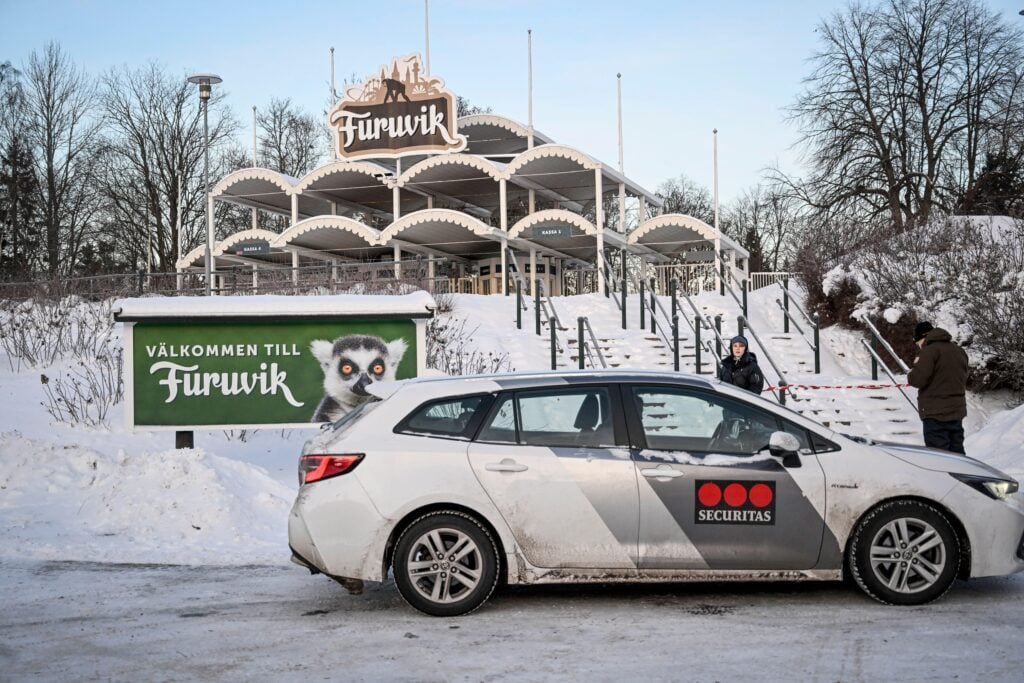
(86, 393)
(450, 350)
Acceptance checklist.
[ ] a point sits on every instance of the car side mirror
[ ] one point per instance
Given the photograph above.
(786, 447)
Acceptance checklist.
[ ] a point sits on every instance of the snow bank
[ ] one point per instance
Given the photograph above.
(1001, 442)
(419, 302)
(70, 502)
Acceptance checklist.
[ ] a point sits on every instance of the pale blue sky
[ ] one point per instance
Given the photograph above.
(687, 67)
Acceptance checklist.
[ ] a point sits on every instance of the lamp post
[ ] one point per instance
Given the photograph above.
(206, 83)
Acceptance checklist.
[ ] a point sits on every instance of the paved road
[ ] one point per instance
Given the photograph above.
(77, 621)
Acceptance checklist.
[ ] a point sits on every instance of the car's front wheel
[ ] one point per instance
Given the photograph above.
(904, 552)
(446, 564)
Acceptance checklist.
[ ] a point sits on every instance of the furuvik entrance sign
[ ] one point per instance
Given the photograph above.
(264, 361)
(400, 111)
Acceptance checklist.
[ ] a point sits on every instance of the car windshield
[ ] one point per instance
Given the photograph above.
(352, 416)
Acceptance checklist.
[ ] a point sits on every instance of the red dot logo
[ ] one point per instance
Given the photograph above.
(709, 495)
(760, 495)
(735, 495)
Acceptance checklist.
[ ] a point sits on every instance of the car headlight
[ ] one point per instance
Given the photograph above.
(992, 487)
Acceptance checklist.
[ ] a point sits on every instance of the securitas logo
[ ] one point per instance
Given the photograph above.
(737, 502)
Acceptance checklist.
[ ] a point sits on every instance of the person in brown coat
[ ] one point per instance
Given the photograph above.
(940, 375)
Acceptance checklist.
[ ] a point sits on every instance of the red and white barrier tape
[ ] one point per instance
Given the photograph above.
(837, 386)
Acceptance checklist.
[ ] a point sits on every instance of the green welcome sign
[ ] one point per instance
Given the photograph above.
(246, 367)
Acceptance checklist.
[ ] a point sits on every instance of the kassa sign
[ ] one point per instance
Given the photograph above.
(397, 112)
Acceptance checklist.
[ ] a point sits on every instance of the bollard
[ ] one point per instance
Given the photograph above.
(536, 308)
(675, 342)
(519, 304)
(696, 345)
(580, 341)
(817, 344)
(643, 305)
(718, 337)
(785, 305)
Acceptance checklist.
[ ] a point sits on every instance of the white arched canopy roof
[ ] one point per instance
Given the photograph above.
(337, 236)
(677, 236)
(263, 188)
(581, 241)
(193, 259)
(445, 231)
(351, 184)
(470, 182)
(498, 136)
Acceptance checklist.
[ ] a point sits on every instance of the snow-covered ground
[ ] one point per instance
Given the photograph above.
(77, 504)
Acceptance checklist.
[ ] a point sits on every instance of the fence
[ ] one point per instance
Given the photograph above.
(377, 277)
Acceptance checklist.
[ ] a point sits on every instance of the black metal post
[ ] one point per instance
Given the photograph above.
(674, 287)
(874, 362)
(580, 340)
(536, 308)
(624, 300)
(743, 286)
(718, 337)
(696, 346)
(817, 345)
(654, 302)
(782, 396)
(721, 275)
(643, 305)
(785, 304)
(554, 349)
(184, 439)
(675, 342)
(519, 304)
(740, 323)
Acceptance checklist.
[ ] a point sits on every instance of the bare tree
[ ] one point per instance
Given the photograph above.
(289, 141)
(63, 127)
(153, 167)
(768, 222)
(682, 195)
(905, 100)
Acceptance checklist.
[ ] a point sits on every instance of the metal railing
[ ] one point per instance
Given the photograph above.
(588, 350)
(763, 279)
(877, 340)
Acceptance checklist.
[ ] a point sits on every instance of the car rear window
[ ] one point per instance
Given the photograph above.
(449, 417)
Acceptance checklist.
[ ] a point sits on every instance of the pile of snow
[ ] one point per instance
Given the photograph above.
(1001, 442)
(70, 502)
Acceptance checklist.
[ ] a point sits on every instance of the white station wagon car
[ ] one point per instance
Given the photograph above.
(457, 484)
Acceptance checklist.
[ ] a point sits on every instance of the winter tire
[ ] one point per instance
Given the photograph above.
(446, 564)
(904, 553)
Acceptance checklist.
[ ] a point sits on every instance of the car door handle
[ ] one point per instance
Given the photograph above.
(661, 472)
(506, 465)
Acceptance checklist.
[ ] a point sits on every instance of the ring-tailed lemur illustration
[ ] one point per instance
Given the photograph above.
(351, 363)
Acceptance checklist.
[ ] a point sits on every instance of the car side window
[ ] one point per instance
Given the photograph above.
(501, 427)
(451, 417)
(701, 422)
(573, 417)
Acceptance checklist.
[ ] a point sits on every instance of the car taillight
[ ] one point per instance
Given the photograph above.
(317, 467)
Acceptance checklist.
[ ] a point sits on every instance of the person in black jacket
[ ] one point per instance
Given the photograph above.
(740, 367)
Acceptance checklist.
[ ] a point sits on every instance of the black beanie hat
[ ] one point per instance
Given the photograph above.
(738, 339)
(922, 328)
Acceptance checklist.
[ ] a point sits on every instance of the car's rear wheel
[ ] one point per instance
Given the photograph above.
(904, 552)
(446, 564)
